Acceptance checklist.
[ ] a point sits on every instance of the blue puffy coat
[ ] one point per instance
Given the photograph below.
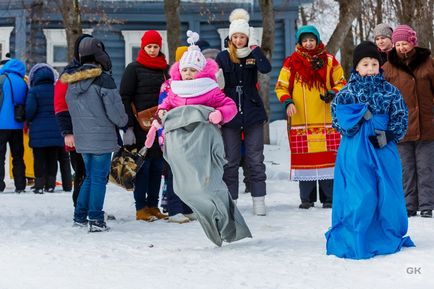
(44, 131)
(16, 70)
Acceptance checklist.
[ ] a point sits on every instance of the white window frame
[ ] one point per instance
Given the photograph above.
(5, 35)
(224, 32)
(133, 38)
(57, 37)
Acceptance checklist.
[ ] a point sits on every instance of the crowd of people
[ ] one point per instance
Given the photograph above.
(347, 139)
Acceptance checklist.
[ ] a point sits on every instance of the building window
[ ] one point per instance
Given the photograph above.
(57, 51)
(224, 32)
(5, 34)
(132, 40)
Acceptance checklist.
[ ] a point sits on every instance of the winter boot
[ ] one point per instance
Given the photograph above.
(259, 206)
(144, 215)
(426, 213)
(80, 223)
(97, 226)
(191, 217)
(306, 205)
(154, 211)
(38, 191)
(178, 218)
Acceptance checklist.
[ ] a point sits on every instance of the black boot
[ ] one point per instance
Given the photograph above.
(306, 205)
(426, 213)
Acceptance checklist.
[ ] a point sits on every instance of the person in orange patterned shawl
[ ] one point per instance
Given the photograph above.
(308, 81)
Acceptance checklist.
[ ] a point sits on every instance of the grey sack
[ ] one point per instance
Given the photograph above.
(195, 152)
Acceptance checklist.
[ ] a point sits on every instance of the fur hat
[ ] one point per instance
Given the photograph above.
(307, 29)
(151, 37)
(404, 33)
(91, 49)
(239, 19)
(193, 57)
(365, 49)
(383, 29)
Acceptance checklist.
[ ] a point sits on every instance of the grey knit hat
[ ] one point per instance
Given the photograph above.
(383, 29)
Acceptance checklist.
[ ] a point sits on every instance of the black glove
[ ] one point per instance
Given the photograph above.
(381, 138)
(328, 97)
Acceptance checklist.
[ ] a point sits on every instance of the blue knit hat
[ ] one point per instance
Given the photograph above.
(307, 29)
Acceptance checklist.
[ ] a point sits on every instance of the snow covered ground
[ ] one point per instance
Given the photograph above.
(39, 248)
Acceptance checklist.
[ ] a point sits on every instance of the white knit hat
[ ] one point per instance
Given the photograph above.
(193, 57)
(239, 19)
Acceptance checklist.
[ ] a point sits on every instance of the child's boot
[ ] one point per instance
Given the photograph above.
(144, 215)
(154, 211)
(259, 206)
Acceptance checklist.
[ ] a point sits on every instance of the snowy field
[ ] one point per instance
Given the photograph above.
(40, 249)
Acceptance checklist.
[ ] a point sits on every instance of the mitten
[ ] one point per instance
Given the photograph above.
(150, 137)
(220, 78)
(253, 40)
(129, 138)
(215, 117)
(381, 138)
(328, 96)
(161, 139)
(367, 115)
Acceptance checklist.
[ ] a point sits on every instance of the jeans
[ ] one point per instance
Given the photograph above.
(92, 193)
(147, 184)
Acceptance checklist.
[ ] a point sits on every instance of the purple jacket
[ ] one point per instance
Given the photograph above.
(212, 97)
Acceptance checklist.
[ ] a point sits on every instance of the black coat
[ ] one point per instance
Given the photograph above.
(244, 75)
(141, 85)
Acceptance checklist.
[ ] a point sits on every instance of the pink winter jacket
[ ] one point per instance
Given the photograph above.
(214, 97)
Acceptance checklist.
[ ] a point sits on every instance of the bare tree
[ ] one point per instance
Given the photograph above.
(348, 11)
(171, 9)
(379, 11)
(70, 10)
(267, 46)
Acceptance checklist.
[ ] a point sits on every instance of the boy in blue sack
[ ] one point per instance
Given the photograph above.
(369, 215)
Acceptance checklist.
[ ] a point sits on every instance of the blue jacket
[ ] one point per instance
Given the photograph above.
(381, 98)
(15, 70)
(44, 131)
(244, 75)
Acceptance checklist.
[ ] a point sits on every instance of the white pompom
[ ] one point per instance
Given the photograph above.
(189, 33)
(238, 14)
(195, 36)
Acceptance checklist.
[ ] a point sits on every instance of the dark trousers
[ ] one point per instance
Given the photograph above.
(308, 190)
(147, 183)
(79, 174)
(418, 174)
(174, 204)
(254, 142)
(15, 139)
(45, 166)
(65, 168)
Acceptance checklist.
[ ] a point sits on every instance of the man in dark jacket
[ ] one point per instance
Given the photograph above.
(13, 91)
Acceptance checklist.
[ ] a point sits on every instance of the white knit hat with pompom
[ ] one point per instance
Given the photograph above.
(239, 19)
(193, 57)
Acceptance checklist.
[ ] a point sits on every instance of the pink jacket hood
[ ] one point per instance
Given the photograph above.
(209, 71)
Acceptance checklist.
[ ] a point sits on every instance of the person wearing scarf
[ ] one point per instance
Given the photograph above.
(140, 85)
(240, 64)
(307, 83)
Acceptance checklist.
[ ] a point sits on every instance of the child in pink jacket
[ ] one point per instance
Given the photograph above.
(193, 82)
